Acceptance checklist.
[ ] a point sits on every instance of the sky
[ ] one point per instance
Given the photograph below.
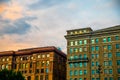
(40, 23)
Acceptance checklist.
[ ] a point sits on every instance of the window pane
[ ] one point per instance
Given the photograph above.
(116, 37)
(117, 54)
(109, 39)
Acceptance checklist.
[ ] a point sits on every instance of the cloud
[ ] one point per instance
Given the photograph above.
(41, 4)
(16, 27)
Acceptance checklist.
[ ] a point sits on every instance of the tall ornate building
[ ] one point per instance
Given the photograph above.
(93, 55)
(44, 63)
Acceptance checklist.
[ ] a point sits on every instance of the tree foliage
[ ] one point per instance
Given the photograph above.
(10, 75)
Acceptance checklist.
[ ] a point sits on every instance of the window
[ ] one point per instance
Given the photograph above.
(75, 65)
(48, 55)
(75, 72)
(117, 54)
(110, 71)
(38, 56)
(110, 63)
(105, 78)
(92, 41)
(93, 78)
(118, 62)
(80, 72)
(71, 79)
(71, 65)
(109, 47)
(92, 48)
(36, 77)
(80, 78)
(80, 64)
(80, 49)
(92, 55)
(85, 64)
(43, 56)
(71, 57)
(116, 37)
(29, 78)
(47, 70)
(117, 46)
(105, 63)
(96, 40)
(80, 42)
(118, 78)
(104, 39)
(105, 47)
(109, 39)
(118, 70)
(97, 48)
(71, 50)
(37, 71)
(76, 43)
(109, 55)
(71, 72)
(97, 78)
(93, 71)
(75, 57)
(85, 71)
(71, 43)
(93, 63)
(97, 63)
(105, 71)
(97, 55)
(111, 78)
(85, 55)
(42, 70)
(75, 49)
(85, 41)
(41, 77)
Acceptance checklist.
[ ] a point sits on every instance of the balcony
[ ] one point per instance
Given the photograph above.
(78, 60)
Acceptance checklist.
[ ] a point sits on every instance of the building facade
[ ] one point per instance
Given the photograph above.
(44, 63)
(93, 55)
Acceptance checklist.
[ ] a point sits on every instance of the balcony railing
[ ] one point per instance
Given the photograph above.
(78, 60)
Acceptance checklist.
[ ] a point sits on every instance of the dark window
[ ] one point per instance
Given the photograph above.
(42, 70)
(29, 78)
(41, 77)
(37, 71)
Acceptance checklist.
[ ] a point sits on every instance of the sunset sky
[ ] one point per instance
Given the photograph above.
(37, 23)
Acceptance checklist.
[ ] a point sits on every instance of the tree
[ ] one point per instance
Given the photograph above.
(10, 75)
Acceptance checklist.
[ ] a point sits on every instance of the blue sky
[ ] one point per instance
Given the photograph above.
(36, 23)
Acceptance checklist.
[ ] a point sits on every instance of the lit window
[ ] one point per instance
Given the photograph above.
(48, 55)
(85, 41)
(104, 39)
(76, 43)
(3, 66)
(75, 49)
(80, 78)
(93, 48)
(80, 42)
(109, 39)
(97, 55)
(80, 49)
(3, 59)
(105, 55)
(80, 64)
(6, 66)
(80, 72)
(76, 32)
(71, 57)
(71, 43)
(75, 57)
(105, 47)
(7, 59)
(92, 41)
(38, 56)
(47, 63)
(43, 56)
(85, 49)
